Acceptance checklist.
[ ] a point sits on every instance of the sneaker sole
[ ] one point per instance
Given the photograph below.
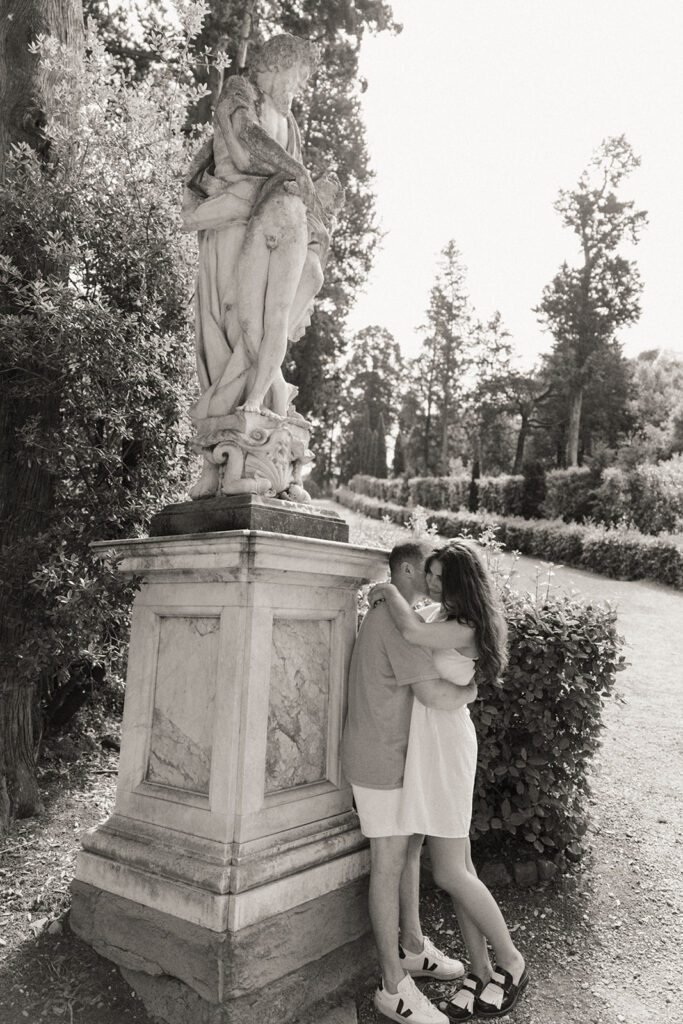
(391, 1015)
(436, 976)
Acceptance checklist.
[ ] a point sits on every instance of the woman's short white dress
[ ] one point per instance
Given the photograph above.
(441, 761)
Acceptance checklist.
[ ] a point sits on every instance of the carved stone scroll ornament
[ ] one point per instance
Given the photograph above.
(253, 453)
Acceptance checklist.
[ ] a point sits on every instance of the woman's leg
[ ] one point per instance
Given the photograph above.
(474, 939)
(451, 873)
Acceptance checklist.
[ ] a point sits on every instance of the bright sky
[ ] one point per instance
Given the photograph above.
(479, 112)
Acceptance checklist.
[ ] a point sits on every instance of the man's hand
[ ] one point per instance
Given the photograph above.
(443, 696)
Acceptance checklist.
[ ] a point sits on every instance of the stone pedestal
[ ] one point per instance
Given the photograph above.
(230, 882)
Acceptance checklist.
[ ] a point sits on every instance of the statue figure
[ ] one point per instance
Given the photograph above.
(264, 232)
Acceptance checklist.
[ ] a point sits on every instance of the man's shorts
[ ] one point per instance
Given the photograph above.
(378, 811)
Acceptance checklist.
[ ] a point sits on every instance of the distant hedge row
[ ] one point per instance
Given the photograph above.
(502, 494)
(648, 498)
(618, 553)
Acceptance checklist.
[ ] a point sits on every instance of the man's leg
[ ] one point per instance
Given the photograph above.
(409, 898)
(388, 859)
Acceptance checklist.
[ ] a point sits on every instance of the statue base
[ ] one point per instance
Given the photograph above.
(248, 512)
(230, 882)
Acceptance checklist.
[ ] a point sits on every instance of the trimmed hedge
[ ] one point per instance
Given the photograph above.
(620, 554)
(502, 494)
(650, 497)
(451, 492)
(539, 731)
(569, 494)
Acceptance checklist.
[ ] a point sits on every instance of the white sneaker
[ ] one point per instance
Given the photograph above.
(408, 1004)
(431, 963)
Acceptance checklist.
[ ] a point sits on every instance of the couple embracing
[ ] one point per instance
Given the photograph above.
(409, 751)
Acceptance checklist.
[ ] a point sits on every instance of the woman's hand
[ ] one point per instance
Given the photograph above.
(379, 592)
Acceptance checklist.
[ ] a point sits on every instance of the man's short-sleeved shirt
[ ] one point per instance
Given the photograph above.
(383, 667)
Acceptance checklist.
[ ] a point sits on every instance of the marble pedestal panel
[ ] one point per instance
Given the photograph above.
(232, 874)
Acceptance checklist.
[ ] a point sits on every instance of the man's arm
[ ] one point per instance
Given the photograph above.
(443, 696)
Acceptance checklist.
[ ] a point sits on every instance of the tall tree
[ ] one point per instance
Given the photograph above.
(373, 371)
(585, 306)
(27, 102)
(448, 347)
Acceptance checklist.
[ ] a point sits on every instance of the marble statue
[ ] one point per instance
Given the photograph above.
(264, 229)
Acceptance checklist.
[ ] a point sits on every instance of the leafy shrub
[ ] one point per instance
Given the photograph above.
(503, 494)
(95, 343)
(539, 731)
(533, 489)
(449, 492)
(620, 554)
(612, 498)
(648, 497)
(569, 494)
(395, 490)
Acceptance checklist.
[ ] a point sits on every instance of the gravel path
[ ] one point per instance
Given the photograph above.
(605, 944)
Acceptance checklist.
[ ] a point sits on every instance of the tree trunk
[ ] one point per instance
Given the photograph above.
(25, 490)
(25, 97)
(575, 402)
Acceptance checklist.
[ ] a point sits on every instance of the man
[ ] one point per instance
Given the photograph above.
(386, 674)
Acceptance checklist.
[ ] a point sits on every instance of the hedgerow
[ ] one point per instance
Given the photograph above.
(569, 493)
(621, 554)
(502, 494)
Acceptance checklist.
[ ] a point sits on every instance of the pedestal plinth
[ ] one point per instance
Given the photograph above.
(230, 882)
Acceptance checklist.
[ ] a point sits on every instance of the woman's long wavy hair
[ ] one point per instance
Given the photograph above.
(469, 595)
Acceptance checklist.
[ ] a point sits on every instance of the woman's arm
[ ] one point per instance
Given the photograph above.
(448, 633)
(444, 696)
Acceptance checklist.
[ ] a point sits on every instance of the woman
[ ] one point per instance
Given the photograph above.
(467, 632)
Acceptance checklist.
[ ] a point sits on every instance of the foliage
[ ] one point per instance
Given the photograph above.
(95, 282)
(647, 497)
(371, 376)
(533, 488)
(584, 306)
(503, 494)
(621, 554)
(569, 494)
(539, 731)
(448, 492)
(655, 409)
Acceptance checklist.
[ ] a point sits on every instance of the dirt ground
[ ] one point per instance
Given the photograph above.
(603, 944)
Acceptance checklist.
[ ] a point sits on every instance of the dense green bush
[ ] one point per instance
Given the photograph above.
(533, 488)
(649, 497)
(95, 339)
(502, 494)
(539, 731)
(620, 554)
(450, 492)
(569, 494)
(395, 490)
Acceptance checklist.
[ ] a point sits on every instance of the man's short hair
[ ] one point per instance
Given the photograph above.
(409, 552)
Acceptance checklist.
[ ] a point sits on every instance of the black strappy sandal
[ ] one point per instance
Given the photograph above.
(471, 987)
(503, 994)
